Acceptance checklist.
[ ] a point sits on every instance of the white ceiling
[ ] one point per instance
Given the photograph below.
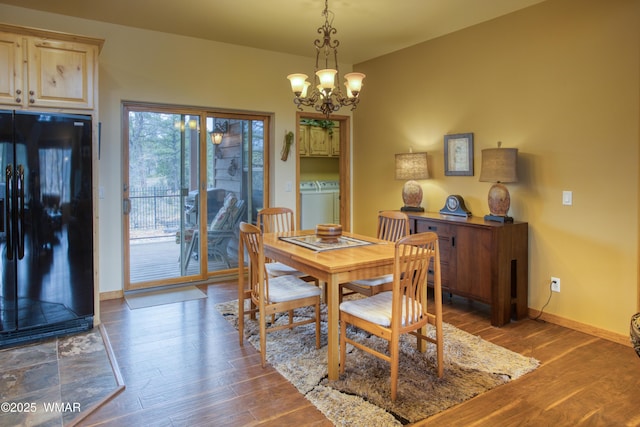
(366, 28)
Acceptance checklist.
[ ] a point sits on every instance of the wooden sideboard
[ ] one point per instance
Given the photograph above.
(482, 260)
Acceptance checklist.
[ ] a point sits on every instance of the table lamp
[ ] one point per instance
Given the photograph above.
(499, 165)
(410, 167)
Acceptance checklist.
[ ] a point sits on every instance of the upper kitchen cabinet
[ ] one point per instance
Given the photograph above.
(319, 138)
(43, 69)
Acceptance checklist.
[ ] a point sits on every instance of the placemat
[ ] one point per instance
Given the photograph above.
(314, 243)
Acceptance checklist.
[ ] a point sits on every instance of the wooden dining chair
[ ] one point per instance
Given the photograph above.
(404, 309)
(392, 225)
(279, 220)
(272, 295)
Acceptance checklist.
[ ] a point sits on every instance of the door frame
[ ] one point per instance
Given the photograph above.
(344, 165)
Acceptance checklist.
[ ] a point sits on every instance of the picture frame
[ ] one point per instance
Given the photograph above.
(458, 154)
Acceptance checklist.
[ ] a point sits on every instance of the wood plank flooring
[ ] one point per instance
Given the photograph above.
(183, 366)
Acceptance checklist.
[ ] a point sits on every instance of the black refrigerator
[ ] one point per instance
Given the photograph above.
(46, 226)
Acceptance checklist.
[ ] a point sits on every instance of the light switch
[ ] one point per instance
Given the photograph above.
(567, 198)
(288, 186)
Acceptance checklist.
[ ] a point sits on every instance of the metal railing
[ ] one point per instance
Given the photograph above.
(155, 210)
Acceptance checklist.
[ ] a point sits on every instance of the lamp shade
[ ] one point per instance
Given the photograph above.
(298, 81)
(327, 78)
(499, 165)
(410, 166)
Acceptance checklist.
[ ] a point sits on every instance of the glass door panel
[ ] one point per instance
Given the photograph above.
(235, 180)
(161, 198)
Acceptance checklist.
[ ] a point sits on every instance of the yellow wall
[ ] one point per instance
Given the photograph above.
(560, 82)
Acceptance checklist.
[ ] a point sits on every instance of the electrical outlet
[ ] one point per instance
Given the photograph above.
(555, 284)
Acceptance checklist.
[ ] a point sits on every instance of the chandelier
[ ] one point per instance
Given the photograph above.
(325, 96)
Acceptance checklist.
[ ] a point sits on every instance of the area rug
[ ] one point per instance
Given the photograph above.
(59, 381)
(361, 397)
(164, 296)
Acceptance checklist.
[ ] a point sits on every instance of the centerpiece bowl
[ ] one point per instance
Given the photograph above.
(328, 233)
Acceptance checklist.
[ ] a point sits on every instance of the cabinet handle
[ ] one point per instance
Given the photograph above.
(453, 241)
(31, 93)
(31, 100)
(18, 100)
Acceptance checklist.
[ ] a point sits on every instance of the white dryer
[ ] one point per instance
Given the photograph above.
(318, 201)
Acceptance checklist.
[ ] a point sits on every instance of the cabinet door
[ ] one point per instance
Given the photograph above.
(444, 244)
(303, 140)
(471, 261)
(60, 74)
(318, 141)
(11, 69)
(334, 137)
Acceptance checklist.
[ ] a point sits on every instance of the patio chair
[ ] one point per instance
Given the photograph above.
(402, 310)
(223, 228)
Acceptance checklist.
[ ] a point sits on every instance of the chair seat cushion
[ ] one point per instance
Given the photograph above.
(287, 288)
(376, 281)
(375, 309)
(275, 269)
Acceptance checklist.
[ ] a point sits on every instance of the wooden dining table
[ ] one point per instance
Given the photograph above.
(333, 266)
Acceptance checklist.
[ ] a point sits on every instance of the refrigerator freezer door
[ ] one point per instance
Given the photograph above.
(50, 223)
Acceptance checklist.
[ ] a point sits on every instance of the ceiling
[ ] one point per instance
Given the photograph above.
(365, 28)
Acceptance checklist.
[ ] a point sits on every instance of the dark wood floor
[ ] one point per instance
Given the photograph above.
(182, 366)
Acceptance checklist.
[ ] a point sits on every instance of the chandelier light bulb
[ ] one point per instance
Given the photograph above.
(327, 78)
(354, 82)
(298, 81)
(349, 93)
(305, 90)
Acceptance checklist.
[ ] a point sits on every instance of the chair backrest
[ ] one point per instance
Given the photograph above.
(413, 255)
(392, 225)
(276, 220)
(251, 240)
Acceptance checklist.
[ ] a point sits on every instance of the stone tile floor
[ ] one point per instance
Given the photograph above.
(53, 382)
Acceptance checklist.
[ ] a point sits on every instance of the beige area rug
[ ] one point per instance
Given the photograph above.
(163, 296)
(361, 397)
(59, 381)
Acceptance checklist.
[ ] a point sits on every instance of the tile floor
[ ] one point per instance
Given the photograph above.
(53, 382)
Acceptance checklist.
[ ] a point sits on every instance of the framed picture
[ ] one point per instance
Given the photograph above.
(458, 154)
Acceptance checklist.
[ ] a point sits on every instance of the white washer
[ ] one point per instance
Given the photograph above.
(318, 200)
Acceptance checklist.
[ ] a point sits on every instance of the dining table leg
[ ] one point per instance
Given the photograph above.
(333, 342)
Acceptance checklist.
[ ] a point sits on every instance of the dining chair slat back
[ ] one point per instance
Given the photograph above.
(392, 226)
(403, 310)
(270, 296)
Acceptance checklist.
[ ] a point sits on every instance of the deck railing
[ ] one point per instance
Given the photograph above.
(155, 209)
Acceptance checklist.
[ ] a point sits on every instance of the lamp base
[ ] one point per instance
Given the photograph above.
(498, 218)
(412, 209)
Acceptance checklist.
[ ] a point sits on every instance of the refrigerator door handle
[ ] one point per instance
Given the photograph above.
(20, 173)
(126, 206)
(7, 209)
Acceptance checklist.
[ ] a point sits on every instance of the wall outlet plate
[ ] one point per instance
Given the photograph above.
(555, 284)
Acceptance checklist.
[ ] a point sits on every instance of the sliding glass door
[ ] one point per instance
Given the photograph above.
(191, 176)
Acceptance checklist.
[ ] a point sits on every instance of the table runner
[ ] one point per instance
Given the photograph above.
(314, 243)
